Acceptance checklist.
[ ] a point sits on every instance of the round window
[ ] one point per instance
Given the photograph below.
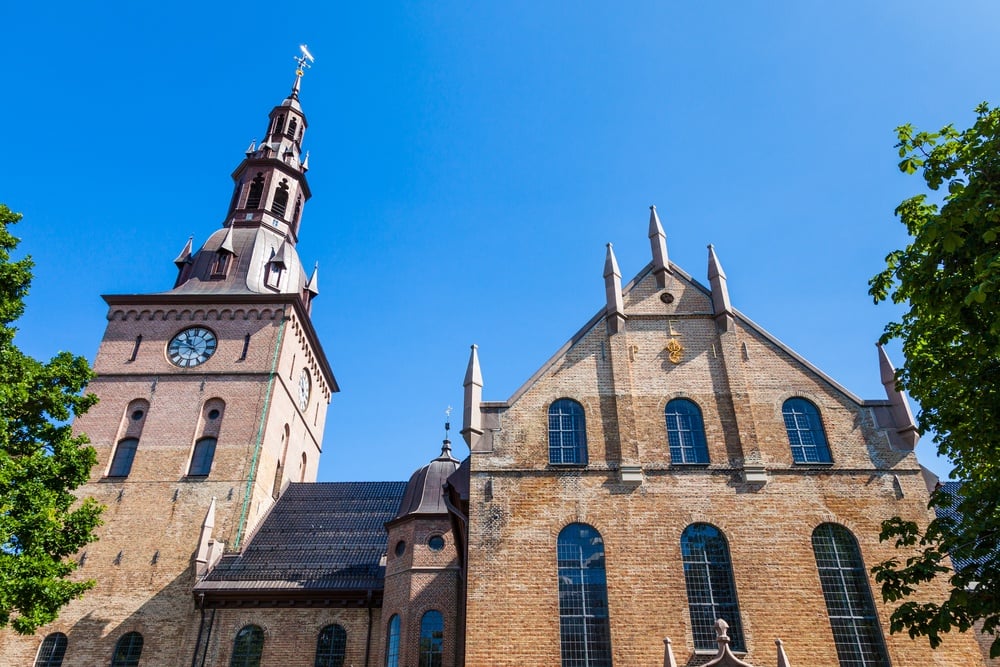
(400, 547)
(213, 414)
(137, 415)
(436, 543)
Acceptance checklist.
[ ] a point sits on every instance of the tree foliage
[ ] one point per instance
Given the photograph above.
(41, 462)
(949, 278)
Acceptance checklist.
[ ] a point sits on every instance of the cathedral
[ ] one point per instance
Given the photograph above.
(674, 486)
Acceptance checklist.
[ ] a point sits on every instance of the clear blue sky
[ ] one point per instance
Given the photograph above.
(470, 161)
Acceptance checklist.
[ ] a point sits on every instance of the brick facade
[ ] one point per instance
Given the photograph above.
(493, 574)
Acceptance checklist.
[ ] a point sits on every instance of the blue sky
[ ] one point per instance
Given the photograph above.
(470, 160)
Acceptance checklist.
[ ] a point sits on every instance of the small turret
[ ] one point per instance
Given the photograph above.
(720, 291)
(613, 291)
(658, 244)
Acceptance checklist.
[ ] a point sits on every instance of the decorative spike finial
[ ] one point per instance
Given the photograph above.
(252, 147)
(658, 244)
(907, 434)
(720, 291)
(305, 163)
(185, 256)
(613, 292)
(312, 285)
(668, 654)
(782, 658)
(472, 417)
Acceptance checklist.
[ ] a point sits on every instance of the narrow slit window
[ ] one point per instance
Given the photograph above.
(135, 348)
(392, 643)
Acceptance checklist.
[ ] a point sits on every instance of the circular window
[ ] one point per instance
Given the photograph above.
(436, 543)
(137, 415)
(400, 547)
(667, 297)
(213, 414)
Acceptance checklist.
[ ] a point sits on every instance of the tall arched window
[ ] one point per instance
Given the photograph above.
(431, 639)
(567, 433)
(711, 590)
(584, 628)
(685, 432)
(392, 643)
(121, 462)
(331, 646)
(856, 630)
(293, 124)
(52, 651)
(127, 650)
(209, 427)
(247, 647)
(805, 432)
(256, 191)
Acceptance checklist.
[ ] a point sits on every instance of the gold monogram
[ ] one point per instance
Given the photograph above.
(674, 350)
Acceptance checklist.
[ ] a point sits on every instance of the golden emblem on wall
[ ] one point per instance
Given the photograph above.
(674, 350)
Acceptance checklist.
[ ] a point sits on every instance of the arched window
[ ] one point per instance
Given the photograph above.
(280, 202)
(247, 647)
(856, 630)
(121, 462)
(685, 432)
(293, 124)
(711, 591)
(52, 651)
(567, 433)
(584, 628)
(279, 124)
(256, 191)
(431, 639)
(805, 432)
(127, 650)
(331, 646)
(209, 427)
(302, 467)
(392, 643)
(201, 460)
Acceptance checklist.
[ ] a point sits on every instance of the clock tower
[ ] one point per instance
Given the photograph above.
(213, 396)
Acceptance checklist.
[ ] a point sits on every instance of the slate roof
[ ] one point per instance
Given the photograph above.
(951, 511)
(318, 537)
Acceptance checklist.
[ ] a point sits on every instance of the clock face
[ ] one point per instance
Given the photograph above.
(191, 347)
(304, 385)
